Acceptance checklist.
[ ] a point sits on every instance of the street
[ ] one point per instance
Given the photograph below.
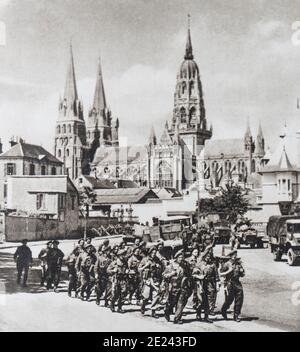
(267, 307)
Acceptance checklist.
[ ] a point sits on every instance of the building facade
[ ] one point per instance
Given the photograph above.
(25, 159)
(236, 159)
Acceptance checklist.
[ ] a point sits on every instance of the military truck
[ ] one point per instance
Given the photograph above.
(247, 235)
(284, 237)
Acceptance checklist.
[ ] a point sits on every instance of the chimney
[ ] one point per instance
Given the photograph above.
(13, 141)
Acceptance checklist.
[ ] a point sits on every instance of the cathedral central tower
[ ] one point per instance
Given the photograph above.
(189, 118)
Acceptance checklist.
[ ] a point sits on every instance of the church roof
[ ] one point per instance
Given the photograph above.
(99, 183)
(109, 155)
(25, 150)
(228, 147)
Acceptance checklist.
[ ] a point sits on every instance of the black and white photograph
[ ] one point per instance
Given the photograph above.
(150, 168)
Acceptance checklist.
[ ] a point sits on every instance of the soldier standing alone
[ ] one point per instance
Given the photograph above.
(23, 258)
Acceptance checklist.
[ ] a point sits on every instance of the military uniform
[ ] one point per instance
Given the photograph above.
(134, 281)
(54, 260)
(72, 273)
(179, 280)
(85, 266)
(151, 274)
(23, 258)
(117, 271)
(42, 257)
(232, 271)
(101, 265)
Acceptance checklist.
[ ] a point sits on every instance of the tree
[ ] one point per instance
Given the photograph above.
(231, 201)
(86, 198)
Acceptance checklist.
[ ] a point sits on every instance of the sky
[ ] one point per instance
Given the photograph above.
(249, 65)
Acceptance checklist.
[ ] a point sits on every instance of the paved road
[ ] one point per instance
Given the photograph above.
(268, 305)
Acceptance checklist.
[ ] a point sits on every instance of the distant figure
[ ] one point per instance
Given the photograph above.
(42, 257)
(23, 258)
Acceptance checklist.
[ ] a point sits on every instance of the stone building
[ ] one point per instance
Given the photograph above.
(238, 159)
(25, 159)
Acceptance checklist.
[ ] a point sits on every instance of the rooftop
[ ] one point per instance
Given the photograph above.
(25, 150)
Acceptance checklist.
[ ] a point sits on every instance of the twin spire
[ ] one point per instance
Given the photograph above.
(70, 93)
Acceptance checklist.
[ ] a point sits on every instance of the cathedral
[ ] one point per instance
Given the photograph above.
(177, 159)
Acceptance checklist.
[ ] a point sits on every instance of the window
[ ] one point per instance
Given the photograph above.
(43, 170)
(289, 185)
(61, 201)
(64, 128)
(59, 153)
(164, 176)
(283, 185)
(73, 202)
(31, 169)
(10, 169)
(70, 128)
(41, 201)
(182, 115)
(58, 129)
(68, 152)
(5, 190)
(53, 170)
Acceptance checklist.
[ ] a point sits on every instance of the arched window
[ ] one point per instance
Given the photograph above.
(64, 129)
(192, 115)
(43, 170)
(58, 129)
(164, 176)
(59, 153)
(68, 152)
(53, 170)
(192, 87)
(182, 115)
(70, 128)
(183, 87)
(253, 166)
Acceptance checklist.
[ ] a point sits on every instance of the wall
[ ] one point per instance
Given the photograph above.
(35, 229)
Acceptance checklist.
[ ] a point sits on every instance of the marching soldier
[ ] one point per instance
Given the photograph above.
(81, 245)
(101, 275)
(207, 273)
(54, 261)
(232, 271)
(151, 273)
(85, 266)
(117, 272)
(88, 242)
(133, 274)
(42, 257)
(207, 239)
(72, 273)
(23, 259)
(192, 260)
(179, 277)
(160, 255)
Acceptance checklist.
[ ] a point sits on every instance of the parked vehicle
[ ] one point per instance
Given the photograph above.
(222, 232)
(284, 237)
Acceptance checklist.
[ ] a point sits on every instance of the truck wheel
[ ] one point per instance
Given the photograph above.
(291, 257)
(277, 255)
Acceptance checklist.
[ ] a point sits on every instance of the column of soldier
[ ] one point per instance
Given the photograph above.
(122, 274)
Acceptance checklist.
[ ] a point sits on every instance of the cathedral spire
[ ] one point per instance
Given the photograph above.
(70, 93)
(152, 139)
(99, 97)
(248, 133)
(188, 49)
